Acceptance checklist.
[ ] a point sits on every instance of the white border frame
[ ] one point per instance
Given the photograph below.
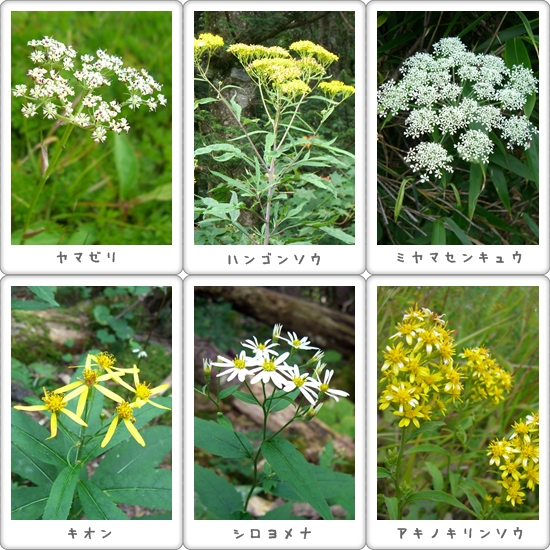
(383, 534)
(134, 534)
(129, 258)
(325, 534)
(535, 259)
(335, 259)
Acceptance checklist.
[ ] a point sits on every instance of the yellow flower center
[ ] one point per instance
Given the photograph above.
(269, 366)
(298, 381)
(125, 412)
(105, 360)
(143, 391)
(90, 377)
(239, 363)
(296, 342)
(54, 401)
(261, 346)
(324, 388)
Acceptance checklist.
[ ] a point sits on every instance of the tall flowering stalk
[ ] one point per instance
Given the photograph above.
(423, 381)
(299, 384)
(67, 90)
(285, 83)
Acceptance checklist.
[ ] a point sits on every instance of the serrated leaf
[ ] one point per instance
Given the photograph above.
(45, 293)
(438, 496)
(217, 440)
(126, 164)
(291, 466)
(26, 465)
(28, 502)
(30, 438)
(216, 493)
(62, 493)
(96, 504)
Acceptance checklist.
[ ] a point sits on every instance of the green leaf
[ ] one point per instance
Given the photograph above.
(226, 392)
(473, 484)
(530, 222)
(29, 467)
(438, 233)
(62, 493)
(457, 231)
(236, 107)
(473, 500)
(436, 474)
(426, 448)
(337, 233)
(102, 314)
(400, 197)
(224, 421)
(285, 399)
(392, 504)
(96, 504)
(476, 177)
(126, 164)
(45, 293)
(501, 187)
(532, 157)
(161, 193)
(291, 466)
(28, 502)
(282, 512)
(246, 397)
(515, 53)
(513, 164)
(30, 439)
(319, 182)
(382, 473)
(28, 305)
(438, 496)
(216, 493)
(529, 30)
(217, 440)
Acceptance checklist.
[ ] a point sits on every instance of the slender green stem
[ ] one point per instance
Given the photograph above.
(397, 473)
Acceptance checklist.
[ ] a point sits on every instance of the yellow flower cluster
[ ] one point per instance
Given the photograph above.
(305, 48)
(418, 370)
(56, 401)
(247, 53)
(335, 87)
(520, 456)
(491, 380)
(206, 43)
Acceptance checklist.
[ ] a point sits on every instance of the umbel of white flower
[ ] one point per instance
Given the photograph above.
(53, 95)
(460, 97)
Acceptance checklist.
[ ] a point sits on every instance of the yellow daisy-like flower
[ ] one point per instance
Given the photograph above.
(55, 403)
(143, 392)
(305, 48)
(408, 416)
(124, 412)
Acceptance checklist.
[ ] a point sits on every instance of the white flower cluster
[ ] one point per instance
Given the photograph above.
(54, 93)
(266, 365)
(456, 91)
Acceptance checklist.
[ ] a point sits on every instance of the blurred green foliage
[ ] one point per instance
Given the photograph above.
(89, 199)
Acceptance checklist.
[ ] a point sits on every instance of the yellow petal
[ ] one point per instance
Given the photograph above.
(110, 432)
(151, 402)
(76, 392)
(136, 435)
(68, 387)
(82, 402)
(53, 426)
(159, 389)
(109, 393)
(136, 377)
(30, 407)
(73, 416)
(124, 384)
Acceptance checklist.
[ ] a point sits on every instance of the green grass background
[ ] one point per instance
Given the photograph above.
(506, 321)
(85, 200)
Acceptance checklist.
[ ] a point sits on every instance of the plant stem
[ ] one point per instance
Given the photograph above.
(396, 478)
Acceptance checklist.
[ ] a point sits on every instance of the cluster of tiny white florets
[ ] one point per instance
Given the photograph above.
(53, 94)
(432, 89)
(266, 364)
(429, 159)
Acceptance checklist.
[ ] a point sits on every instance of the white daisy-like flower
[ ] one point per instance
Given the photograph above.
(325, 388)
(269, 371)
(29, 110)
(276, 329)
(260, 349)
(305, 384)
(237, 367)
(140, 352)
(99, 134)
(20, 90)
(298, 343)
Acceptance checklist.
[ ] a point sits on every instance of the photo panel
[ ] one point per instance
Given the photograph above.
(457, 380)
(91, 137)
(274, 149)
(275, 406)
(458, 120)
(91, 412)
